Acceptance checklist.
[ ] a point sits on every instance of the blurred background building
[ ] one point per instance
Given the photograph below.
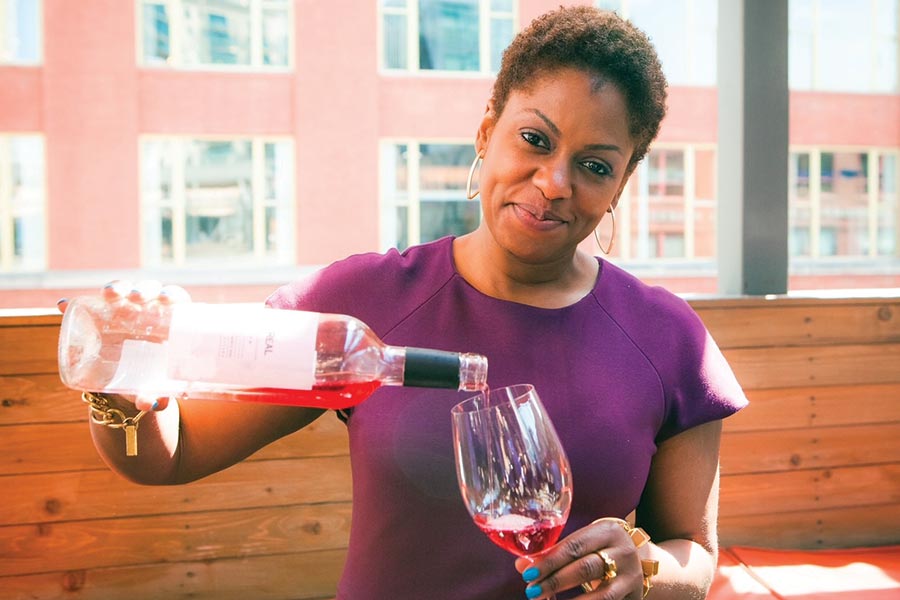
(233, 145)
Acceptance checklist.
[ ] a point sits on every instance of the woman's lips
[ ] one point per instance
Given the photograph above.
(537, 218)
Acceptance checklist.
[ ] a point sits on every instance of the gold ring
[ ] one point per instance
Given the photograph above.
(609, 571)
(609, 566)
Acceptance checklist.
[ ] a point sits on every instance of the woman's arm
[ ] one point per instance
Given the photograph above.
(182, 441)
(194, 438)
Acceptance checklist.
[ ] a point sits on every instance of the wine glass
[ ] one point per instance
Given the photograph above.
(512, 470)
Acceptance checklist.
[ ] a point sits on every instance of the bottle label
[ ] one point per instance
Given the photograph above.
(243, 345)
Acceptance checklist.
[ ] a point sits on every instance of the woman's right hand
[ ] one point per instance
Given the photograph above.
(143, 302)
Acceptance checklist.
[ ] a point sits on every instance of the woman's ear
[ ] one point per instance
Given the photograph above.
(485, 129)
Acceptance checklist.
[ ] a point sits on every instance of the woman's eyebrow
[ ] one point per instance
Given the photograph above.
(552, 126)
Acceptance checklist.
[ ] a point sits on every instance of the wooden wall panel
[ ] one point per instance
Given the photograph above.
(294, 576)
(175, 537)
(814, 461)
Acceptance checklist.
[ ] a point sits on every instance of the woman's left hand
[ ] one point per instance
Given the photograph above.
(601, 555)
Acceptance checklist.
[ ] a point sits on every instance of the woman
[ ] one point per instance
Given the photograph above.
(634, 384)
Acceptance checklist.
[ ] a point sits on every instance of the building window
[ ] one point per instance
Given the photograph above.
(843, 46)
(22, 205)
(683, 32)
(843, 204)
(20, 31)
(204, 200)
(668, 210)
(423, 192)
(215, 33)
(445, 35)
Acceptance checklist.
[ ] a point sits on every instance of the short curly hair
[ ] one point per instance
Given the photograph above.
(598, 42)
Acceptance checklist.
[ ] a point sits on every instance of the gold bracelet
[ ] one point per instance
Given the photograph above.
(649, 567)
(102, 413)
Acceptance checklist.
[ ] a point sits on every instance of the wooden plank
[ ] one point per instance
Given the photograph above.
(28, 350)
(296, 576)
(38, 399)
(845, 527)
(56, 497)
(57, 447)
(21, 317)
(204, 536)
(829, 323)
(817, 406)
(811, 489)
(780, 367)
(809, 448)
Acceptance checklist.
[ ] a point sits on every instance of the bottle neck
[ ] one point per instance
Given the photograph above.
(439, 369)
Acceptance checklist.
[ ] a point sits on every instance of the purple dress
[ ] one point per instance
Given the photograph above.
(619, 371)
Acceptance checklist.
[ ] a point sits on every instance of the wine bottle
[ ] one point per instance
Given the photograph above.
(245, 352)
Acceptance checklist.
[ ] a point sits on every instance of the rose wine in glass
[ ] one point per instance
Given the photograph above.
(513, 472)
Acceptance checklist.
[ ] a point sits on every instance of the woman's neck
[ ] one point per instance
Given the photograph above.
(495, 272)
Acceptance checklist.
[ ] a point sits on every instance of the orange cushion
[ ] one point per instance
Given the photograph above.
(857, 573)
(734, 581)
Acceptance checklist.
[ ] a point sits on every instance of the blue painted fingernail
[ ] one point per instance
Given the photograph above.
(155, 405)
(533, 591)
(530, 574)
(108, 286)
(61, 300)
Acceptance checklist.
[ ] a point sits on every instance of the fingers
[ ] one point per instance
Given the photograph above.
(172, 294)
(144, 292)
(577, 560)
(151, 402)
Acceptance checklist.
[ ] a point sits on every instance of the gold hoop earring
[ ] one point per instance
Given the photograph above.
(469, 194)
(612, 236)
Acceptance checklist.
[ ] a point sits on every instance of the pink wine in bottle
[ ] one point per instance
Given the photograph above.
(244, 352)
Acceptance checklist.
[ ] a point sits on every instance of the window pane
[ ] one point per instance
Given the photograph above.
(27, 201)
(665, 23)
(216, 32)
(395, 42)
(218, 200)
(501, 36)
(502, 6)
(705, 204)
(885, 67)
(279, 168)
(444, 166)
(155, 33)
(448, 217)
(702, 42)
(845, 52)
(448, 35)
(799, 205)
(888, 202)
(443, 169)
(275, 32)
(19, 31)
(844, 205)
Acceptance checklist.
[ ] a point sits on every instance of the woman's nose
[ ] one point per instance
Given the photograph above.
(554, 179)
